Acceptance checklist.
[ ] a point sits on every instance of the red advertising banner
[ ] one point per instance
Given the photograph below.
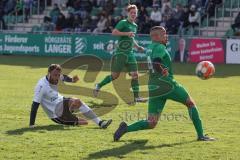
(206, 50)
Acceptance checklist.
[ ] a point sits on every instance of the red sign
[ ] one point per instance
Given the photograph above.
(206, 50)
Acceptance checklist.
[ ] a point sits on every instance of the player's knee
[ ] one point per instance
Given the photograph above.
(134, 75)
(190, 103)
(115, 76)
(75, 103)
(152, 124)
(82, 121)
(152, 121)
(78, 102)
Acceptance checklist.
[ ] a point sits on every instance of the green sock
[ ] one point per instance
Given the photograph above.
(105, 81)
(135, 87)
(139, 125)
(194, 115)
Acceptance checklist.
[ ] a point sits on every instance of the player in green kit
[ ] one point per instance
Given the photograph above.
(124, 56)
(161, 73)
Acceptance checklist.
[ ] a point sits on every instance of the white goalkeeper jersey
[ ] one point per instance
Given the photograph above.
(47, 95)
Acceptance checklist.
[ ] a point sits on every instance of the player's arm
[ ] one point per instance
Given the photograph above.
(67, 78)
(139, 48)
(116, 32)
(33, 114)
(158, 67)
(38, 94)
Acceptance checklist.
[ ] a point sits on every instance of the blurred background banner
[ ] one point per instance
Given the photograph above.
(233, 51)
(198, 29)
(102, 45)
(209, 49)
(181, 49)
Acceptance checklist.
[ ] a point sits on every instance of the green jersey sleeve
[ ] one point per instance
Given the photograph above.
(120, 25)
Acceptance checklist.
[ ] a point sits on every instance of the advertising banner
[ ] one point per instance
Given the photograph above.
(206, 50)
(233, 51)
(102, 46)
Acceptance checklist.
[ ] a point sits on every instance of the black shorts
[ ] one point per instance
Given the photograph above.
(67, 117)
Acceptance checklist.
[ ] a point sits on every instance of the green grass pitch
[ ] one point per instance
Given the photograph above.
(173, 138)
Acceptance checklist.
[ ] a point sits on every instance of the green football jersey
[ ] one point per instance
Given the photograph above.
(125, 43)
(157, 50)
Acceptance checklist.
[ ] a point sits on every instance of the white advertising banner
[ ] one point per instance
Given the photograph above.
(233, 51)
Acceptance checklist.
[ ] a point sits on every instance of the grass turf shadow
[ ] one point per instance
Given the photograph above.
(21, 131)
(120, 152)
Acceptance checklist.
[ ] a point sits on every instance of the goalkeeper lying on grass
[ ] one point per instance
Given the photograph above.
(57, 107)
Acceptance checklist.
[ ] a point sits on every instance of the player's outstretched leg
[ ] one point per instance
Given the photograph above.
(122, 129)
(139, 125)
(76, 104)
(181, 95)
(194, 115)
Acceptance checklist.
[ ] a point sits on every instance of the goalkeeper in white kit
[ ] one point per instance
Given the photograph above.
(59, 108)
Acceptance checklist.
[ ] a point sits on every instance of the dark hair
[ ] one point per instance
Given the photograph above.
(53, 67)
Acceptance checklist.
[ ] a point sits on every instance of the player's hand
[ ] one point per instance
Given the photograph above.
(131, 34)
(140, 49)
(165, 72)
(75, 79)
(82, 121)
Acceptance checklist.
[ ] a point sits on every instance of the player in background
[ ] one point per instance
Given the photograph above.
(124, 56)
(161, 69)
(57, 107)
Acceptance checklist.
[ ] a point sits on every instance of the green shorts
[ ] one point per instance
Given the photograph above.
(121, 60)
(156, 103)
